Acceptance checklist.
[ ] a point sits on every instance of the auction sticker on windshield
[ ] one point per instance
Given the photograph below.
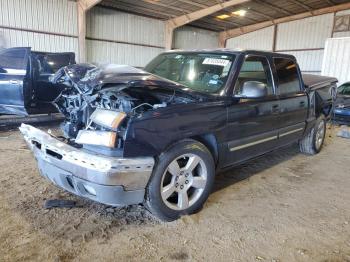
(216, 61)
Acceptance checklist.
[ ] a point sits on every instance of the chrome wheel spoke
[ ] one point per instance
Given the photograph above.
(168, 191)
(192, 163)
(174, 168)
(183, 181)
(183, 202)
(199, 182)
(320, 135)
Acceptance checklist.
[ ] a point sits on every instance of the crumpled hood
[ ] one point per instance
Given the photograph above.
(88, 77)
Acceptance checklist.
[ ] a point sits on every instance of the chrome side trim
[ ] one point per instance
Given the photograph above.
(253, 143)
(291, 132)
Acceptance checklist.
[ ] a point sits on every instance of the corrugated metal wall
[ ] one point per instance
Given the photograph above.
(305, 34)
(116, 53)
(112, 36)
(336, 59)
(188, 37)
(116, 37)
(304, 39)
(49, 25)
(261, 40)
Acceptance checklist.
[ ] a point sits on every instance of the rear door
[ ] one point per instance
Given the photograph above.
(293, 100)
(13, 84)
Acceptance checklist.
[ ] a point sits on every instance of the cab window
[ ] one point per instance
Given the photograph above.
(255, 68)
(51, 63)
(13, 59)
(287, 76)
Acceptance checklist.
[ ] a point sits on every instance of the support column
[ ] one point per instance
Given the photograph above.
(83, 6)
(169, 36)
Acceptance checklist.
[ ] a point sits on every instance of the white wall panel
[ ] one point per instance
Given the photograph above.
(38, 41)
(261, 40)
(306, 33)
(55, 16)
(341, 34)
(109, 24)
(336, 59)
(193, 38)
(116, 53)
(344, 12)
(309, 61)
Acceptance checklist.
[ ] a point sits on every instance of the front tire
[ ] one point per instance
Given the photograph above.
(181, 181)
(312, 142)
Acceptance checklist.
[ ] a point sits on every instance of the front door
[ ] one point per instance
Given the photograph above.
(13, 70)
(252, 123)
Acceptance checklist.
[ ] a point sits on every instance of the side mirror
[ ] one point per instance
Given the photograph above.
(253, 89)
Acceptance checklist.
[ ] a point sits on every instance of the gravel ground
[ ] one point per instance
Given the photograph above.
(282, 207)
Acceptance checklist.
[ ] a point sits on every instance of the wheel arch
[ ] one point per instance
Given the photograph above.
(210, 142)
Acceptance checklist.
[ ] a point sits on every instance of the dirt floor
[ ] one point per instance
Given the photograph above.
(282, 207)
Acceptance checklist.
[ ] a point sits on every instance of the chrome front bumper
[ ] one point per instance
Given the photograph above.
(109, 180)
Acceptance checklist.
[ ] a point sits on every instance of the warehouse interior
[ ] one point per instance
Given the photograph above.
(283, 206)
(52, 26)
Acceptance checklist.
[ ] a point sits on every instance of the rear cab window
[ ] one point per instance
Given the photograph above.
(288, 80)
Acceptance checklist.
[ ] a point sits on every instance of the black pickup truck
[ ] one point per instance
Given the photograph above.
(158, 136)
(24, 80)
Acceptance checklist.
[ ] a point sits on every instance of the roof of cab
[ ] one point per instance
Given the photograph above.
(232, 51)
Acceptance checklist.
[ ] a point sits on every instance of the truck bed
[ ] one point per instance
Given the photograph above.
(317, 81)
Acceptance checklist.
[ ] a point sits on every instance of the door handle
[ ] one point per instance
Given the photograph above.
(302, 104)
(14, 82)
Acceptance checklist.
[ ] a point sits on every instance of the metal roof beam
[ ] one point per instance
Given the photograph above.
(297, 2)
(173, 23)
(273, 7)
(250, 28)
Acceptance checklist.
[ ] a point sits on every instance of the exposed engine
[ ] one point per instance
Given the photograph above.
(113, 88)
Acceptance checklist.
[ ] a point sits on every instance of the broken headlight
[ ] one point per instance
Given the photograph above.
(107, 118)
(96, 138)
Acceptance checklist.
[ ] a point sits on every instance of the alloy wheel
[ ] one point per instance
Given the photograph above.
(183, 182)
(320, 133)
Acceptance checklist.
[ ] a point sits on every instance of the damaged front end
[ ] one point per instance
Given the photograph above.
(99, 102)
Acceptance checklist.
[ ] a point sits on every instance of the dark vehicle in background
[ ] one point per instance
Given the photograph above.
(342, 105)
(158, 136)
(25, 87)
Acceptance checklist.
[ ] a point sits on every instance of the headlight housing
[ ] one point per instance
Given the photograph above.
(97, 138)
(107, 118)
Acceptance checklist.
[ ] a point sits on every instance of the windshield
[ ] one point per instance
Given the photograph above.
(202, 72)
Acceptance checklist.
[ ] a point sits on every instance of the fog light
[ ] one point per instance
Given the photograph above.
(90, 190)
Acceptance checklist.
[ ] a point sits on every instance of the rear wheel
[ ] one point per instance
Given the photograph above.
(312, 142)
(181, 181)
